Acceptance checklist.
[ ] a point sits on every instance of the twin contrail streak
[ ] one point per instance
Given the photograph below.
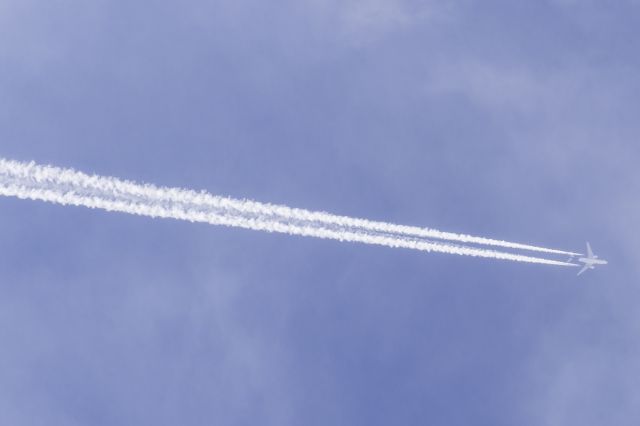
(69, 187)
(88, 182)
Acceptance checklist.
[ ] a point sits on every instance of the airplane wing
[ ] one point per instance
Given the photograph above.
(589, 251)
(584, 268)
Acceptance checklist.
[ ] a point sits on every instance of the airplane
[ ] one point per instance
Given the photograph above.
(590, 261)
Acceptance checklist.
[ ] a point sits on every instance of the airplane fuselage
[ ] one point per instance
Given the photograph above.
(590, 261)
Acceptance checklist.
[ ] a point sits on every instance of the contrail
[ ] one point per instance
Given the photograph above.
(69, 187)
(177, 212)
(71, 177)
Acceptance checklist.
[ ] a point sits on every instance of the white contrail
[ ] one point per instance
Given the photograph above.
(71, 177)
(68, 187)
(177, 212)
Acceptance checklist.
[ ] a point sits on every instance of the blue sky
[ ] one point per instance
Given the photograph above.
(507, 119)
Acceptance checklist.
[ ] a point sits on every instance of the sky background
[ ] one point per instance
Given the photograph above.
(515, 120)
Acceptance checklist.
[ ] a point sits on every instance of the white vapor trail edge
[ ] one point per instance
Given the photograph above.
(26, 183)
(108, 184)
